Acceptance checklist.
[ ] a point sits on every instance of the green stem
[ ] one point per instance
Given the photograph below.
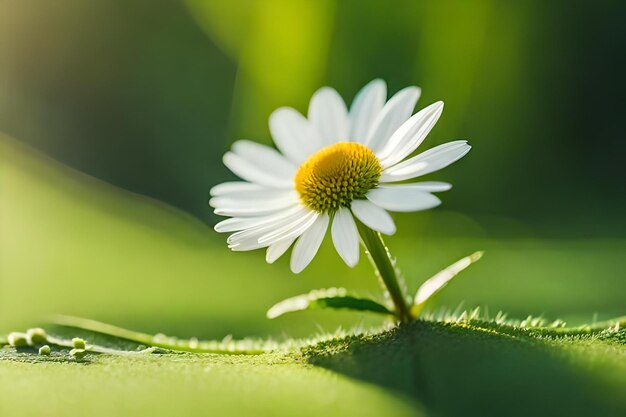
(383, 264)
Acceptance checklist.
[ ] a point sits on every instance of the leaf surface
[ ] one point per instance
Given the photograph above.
(437, 282)
(336, 298)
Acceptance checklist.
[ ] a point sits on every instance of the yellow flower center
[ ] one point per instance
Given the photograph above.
(334, 176)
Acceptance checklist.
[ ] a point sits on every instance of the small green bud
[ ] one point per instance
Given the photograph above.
(37, 336)
(18, 339)
(44, 350)
(78, 353)
(78, 343)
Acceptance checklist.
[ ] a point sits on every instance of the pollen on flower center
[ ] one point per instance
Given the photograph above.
(334, 176)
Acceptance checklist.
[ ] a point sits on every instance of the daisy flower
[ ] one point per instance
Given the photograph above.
(336, 168)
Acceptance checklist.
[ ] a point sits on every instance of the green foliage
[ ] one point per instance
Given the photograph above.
(477, 368)
(411, 369)
(226, 346)
(337, 298)
(442, 278)
(386, 270)
(334, 298)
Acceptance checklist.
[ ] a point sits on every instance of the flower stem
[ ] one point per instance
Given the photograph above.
(383, 264)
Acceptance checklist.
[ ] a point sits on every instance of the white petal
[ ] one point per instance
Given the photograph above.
(254, 173)
(329, 115)
(277, 250)
(367, 105)
(242, 223)
(235, 187)
(293, 134)
(308, 244)
(251, 199)
(373, 216)
(291, 230)
(346, 237)
(247, 212)
(253, 196)
(397, 110)
(233, 208)
(261, 193)
(252, 243)
(247, 246)
(426, 186)
(254, 233)
(410, 135)
(402, 199)
(269, 159)
(432, 160)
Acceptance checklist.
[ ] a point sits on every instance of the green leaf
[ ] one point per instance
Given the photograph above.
(326, 298)
(436, 283)
(155, 342)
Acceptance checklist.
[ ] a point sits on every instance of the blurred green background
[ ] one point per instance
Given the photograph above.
(116, 115)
